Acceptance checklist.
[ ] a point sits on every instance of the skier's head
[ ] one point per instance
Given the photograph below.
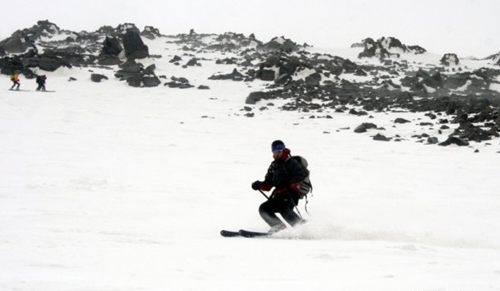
(277, 145)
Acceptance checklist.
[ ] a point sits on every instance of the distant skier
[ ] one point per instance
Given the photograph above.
(286, 176)
(40, 80)
(14, 77)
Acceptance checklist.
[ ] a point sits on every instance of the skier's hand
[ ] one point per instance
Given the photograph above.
(295, 187)
(256, 185)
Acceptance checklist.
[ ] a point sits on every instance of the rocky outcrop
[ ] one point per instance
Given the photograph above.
(279, 44)
(134, 46)
(386, 47)
(97, 78)
(136, 75)
(450, 59)
(150, 32)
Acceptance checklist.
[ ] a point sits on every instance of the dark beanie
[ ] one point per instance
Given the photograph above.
(277, 145)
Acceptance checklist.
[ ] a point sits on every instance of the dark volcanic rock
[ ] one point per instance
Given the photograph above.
(382, 48)
(180, 83)
(151, 81)
(134, 46)
(266, 75)
(380, 137)
(235, 76)
(98, 78)
(454, 140)
(17, 43)
(450, 59)
(255, 97)
(279, 44)
(175, 59)
(401, 120)
(150, 32)
(49, 64)
(193, 62)
(111, 47)
(364, 127)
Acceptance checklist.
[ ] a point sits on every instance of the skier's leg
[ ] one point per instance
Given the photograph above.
(286, 211)
(267, 211)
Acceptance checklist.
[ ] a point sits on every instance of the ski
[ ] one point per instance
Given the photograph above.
(228, 233)
(243, 233)
(20, 90)
(250, 234)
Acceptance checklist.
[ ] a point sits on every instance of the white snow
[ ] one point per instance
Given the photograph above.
(280, 40)
(107, 187)
(464, 87)
(495, 86)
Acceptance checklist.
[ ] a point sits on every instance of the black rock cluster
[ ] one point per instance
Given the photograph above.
(309, 82)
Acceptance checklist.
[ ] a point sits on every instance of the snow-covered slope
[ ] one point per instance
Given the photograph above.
(108, 187)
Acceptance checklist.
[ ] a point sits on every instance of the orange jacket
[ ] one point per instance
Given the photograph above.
(15, 76)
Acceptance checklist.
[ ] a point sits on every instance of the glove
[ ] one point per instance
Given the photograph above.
(295, 187)
(256, 185)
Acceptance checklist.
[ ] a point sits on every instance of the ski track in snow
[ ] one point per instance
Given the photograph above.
(107, 187)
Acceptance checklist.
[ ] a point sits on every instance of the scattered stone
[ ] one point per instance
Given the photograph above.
(176, 59)
(97, 78)
(151, 81)
(380, 137)
(454, 140)
(432, 140)
(234, 76)
(450, 59)
(401, 120)
(364, 127)
(134, 46)
(255, 97)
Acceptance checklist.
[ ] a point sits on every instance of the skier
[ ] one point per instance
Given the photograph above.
(14, 77)
(40, 80)
(285, 175)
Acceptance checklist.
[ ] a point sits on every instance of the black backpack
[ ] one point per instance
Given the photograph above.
(305, 187)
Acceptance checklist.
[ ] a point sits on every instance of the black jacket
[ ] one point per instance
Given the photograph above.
(284, 172)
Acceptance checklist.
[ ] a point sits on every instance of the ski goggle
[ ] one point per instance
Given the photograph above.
(278, 147)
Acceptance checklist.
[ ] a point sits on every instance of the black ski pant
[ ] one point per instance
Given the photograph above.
(283, 204)
(41, 87)
(16, 83)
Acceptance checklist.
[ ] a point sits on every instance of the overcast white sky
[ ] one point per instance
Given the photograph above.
(465, 27)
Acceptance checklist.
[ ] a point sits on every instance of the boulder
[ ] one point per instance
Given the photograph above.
(111, 47)
(49, 64)
(97, 78)
(17, 43)
(454, 140)
(150, 32)
(313, 80)
(266, 75)
(364, 127)
(380, 137)
(255, 97)
(401, 120)
(134, 46)
(151, 81)
(450, 59)
(279, 44)
(193, 62)
(175, 59)
(235, 76)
